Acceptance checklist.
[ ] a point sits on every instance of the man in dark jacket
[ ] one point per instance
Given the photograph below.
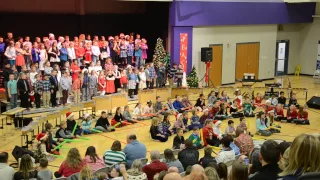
(269, 157)
(54, 88)
(189, 156)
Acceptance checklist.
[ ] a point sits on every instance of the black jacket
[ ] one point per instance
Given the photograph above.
(204, 162)
(267, 172)
(177, 142)
(188, 157)
(23, 86)
(103, 122)
(6, 73)
(54, 83)
(71, 124)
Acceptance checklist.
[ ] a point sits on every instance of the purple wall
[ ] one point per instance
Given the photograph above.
(189, 13)
(175, 45)
(184, 15)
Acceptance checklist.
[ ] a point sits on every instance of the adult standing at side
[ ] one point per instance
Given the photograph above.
(134, 149)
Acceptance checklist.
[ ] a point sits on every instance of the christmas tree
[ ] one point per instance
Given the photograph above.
(167, 61)
(192, 78)
(159, 53)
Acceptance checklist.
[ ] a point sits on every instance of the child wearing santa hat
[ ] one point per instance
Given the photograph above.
(62, 131)
(71, 124)
(43, 146)
(216, 128)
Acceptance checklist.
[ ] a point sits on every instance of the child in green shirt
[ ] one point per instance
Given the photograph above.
(248, 108)
(195, 138)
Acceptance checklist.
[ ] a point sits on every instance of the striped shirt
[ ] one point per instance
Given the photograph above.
(179, 73)
(113, 157)
(172, 72)
(46, 85)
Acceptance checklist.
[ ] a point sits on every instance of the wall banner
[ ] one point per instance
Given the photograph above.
(184, 50)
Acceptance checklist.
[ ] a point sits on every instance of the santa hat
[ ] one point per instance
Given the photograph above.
(179, 115)
(85, 116)
(69, 115)
(121, 35)
(51, 35)
(110, 38)
(41, 136)
(216, 123)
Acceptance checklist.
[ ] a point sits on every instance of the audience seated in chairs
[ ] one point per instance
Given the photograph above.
(188, 156)
(155, 166)
(172, 161)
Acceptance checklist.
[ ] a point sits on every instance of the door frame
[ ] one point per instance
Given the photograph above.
(220, 44)
(235, 67)
(286, 60)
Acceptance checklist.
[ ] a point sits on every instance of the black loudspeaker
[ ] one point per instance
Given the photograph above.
(206, 54)
(18, 152)
(314, 102)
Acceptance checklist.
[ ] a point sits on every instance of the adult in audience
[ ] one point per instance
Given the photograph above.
(211, 173)
(6, 171)
(172, 176)
(92, 159)
(284, 161)
(239, 171)
(269, 157)
(304, 157)
(223, 171)
(173, 169)
(172, 161)
(189, 155)
(254, 161)
(160, 176)
(26, 170)
(283, 146)
(115, 155)
(227, 154)
(135, 172)
(243, 141)
(207, 158)
(73, 164)
(155, 166)
(197, 172)
(134, 149)
(118, 172)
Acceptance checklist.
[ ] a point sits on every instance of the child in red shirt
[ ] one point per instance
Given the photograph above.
(303, 116)
(292, 113)
(124, 80)
(279, 113)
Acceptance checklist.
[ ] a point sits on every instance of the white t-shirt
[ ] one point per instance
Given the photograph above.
(6, 171)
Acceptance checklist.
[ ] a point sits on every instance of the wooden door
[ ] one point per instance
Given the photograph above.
(215, 71)
(247, 59)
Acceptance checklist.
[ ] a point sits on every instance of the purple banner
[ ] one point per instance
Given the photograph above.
(191, 13)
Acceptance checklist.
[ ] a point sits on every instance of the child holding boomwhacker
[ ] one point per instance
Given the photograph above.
(72, 125)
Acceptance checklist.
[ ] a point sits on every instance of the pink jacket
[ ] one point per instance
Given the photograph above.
(94, 166)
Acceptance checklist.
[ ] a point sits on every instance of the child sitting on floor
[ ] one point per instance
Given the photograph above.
(179, 123)
(216, 128)
(185, 119)
(118, 118)
(178, 141)
(127, 116)
(243, 124)
(278, 113)
(195, 121)
(62, 131)
(165, 126)
(293, 100)
(292, 113)
(230, 128)
(86, 124)
(261, 124)
(269, 111)
(51, 144)
(71, 123)
(195, 138)
(234, 110)
(222, 113)
(103, 123)
(155, 133)
(43, 140)
(303, 116)
(137, 113)
(248, 108)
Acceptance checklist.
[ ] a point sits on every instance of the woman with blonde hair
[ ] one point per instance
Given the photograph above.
(26, 170)
(284, 161)
(73, 164)
(303, 157)
(211, 173)
(239, 171)
(155, 133)
(135, 172)
(86, 173)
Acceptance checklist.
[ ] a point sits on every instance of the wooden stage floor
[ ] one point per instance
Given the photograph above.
(103, 141)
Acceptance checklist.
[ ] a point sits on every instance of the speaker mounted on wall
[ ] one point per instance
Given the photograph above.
(206, 54)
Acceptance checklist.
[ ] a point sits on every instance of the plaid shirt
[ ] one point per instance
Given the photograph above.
(37, 86)
(151, 73)
(46, 85)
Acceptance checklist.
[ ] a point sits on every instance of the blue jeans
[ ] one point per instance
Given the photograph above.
(12, 62)
(138, 61)
(94, 59)
(129, 59)
(87, 131)
(13, 100)
(79, 61)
